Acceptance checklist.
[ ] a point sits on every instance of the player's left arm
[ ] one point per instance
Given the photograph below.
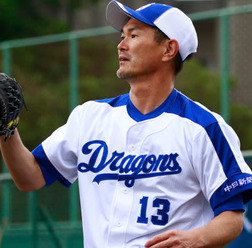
(224, 228)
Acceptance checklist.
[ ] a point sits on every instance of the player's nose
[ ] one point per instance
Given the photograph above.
(122, 45)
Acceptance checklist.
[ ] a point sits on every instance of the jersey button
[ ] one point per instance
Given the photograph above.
(125, 191)
(132, 147)
(118, 224)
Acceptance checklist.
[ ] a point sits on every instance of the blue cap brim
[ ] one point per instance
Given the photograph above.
(118, 15)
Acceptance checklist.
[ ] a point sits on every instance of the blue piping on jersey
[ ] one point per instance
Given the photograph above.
(179, 104)
(182, 106)
(205, 119)
(186, 108)
(48, 170)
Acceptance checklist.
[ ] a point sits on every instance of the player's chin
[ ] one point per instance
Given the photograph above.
(121, 74)
(124, 74)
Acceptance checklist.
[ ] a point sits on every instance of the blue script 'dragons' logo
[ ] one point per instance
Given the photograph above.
(126, 168)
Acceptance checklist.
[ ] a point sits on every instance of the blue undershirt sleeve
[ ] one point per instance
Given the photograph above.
(232, 204)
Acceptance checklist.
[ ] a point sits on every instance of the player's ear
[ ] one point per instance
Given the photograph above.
(171, 48)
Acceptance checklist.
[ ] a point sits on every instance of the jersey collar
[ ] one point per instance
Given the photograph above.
(135, 114)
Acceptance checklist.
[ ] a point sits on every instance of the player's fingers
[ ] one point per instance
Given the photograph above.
(161, 240)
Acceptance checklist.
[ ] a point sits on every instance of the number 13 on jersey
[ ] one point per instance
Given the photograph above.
(162, 207)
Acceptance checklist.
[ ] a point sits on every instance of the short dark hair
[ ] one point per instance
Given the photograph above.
(159, 36)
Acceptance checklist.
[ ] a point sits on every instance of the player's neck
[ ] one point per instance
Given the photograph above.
(147, 96)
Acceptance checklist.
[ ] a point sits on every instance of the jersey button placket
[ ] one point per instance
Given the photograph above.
(121, 213)
(124, 196)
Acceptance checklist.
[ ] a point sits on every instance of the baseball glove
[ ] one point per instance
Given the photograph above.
(11, 103)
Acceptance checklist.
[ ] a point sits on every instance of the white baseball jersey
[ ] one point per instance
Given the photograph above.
(140, 175)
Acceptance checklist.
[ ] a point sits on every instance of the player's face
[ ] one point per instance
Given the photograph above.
(139, 54)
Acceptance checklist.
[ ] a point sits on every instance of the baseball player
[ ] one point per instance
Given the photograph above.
(155, 169)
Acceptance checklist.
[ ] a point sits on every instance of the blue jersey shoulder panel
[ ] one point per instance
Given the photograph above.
(116, 101)
(185, 107)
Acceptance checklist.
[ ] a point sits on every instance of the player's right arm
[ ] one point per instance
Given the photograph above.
(224, 228)
(21, 164)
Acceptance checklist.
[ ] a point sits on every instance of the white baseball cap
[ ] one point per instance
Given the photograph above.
(170, 20)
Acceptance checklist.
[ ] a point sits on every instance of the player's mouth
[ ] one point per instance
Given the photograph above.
(123, 58)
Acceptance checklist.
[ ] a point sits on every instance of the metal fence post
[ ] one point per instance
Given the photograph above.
(224, 24)
(33, 216)
(73, 46)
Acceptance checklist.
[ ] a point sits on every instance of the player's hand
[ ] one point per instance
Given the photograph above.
(173, 239)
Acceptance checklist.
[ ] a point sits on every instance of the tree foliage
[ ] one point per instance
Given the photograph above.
(22, 18)
(25, 18)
